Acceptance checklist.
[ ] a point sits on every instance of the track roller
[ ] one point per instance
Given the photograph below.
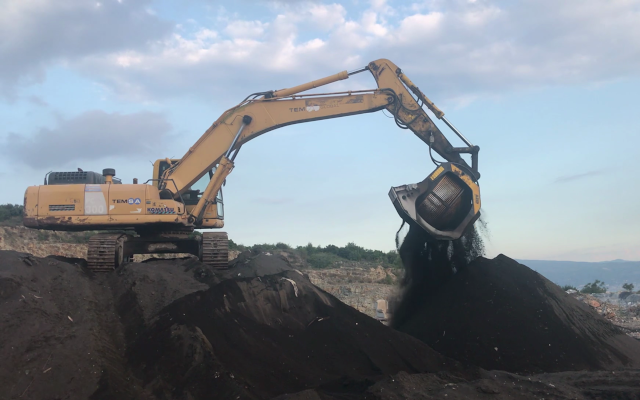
(106, 251)
(215, 249)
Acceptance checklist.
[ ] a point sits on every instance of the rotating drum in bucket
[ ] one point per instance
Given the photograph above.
(445, 204)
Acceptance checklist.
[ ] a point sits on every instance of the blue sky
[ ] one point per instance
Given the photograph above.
(548, 91)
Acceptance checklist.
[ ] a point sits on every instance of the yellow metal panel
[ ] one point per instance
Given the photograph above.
(156, 171)
(151, 193)
(475, 189)
(211, 212)
(30, 215)
(212, 223)
(436, 173)
(127, 199)
(58, 200)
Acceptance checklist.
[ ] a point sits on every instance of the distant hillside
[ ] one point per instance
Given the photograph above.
(613, 273)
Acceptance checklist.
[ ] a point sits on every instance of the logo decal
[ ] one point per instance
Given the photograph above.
(161, 210)
(134, 201)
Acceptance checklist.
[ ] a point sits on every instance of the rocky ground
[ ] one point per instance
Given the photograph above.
(621, 309)
(41, 243)
(359, 287)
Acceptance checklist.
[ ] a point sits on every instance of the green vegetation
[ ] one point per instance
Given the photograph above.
(628, 287)
(78, 237)
(387, 280)
(569, 287)
(11, 214)
(322, 260)
(325, 257)
(351, 252)
(596, 286)
(43, 236)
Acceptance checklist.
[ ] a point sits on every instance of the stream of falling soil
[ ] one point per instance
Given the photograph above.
(428, 264)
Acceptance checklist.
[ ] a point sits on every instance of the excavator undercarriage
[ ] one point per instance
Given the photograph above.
(107, 251)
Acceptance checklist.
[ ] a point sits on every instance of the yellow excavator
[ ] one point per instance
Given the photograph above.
(160, 215)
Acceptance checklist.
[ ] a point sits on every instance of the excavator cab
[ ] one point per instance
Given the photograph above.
(192, 196)
(444, 204)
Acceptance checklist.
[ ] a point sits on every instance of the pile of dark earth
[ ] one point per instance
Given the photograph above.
(176, 329)
(499, 314)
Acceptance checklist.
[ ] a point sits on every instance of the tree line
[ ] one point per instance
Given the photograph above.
(324, 257)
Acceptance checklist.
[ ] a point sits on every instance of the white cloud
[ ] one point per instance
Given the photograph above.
(458, 49)
(37, 32)
(327, 16)
(90, 136)
(418, 27)
(245, 29)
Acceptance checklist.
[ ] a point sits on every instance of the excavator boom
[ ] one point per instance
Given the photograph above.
(271, 110)
(444, 204)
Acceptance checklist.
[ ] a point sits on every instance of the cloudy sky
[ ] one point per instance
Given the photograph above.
(547, 89)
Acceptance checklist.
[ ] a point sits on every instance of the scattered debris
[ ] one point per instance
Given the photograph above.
(295, 285)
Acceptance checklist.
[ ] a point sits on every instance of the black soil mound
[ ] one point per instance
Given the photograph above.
(499, 314)
(254, 264)
(176, 329)
(262, 336)
(55, 330)
(498, 385)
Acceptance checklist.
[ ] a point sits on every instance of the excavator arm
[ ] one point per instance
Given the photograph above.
(266, 111)
(163, 215)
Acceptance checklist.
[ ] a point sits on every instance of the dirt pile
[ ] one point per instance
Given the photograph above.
(497, 385)
(503, 385)
(258, 336)
(177, 329)
(55, 331)
(499, 314)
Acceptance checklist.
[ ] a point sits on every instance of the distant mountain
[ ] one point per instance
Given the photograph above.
(577, 273)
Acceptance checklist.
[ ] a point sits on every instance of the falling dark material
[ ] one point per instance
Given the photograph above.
(430, 264)
(499, 314)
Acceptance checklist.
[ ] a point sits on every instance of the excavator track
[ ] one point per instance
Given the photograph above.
(105, 251)
(215, 249)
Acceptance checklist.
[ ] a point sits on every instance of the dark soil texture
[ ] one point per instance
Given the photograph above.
(499, 314)
(177, 329)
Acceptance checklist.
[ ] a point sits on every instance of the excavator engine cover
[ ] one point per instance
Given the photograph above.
(444, 204)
